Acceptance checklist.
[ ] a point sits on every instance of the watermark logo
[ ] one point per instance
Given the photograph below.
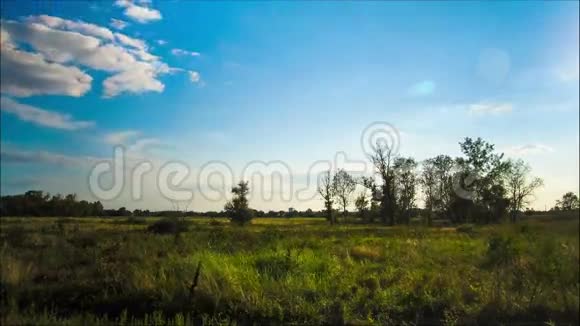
(271, 181)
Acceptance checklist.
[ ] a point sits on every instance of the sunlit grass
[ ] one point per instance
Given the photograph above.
(297, 270)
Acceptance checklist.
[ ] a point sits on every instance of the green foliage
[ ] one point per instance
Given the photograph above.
(39, 203)
(343, 185)
(279, 271)
(238, 209)
(568, 202)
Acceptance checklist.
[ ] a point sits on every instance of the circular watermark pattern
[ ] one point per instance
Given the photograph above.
(379, 134)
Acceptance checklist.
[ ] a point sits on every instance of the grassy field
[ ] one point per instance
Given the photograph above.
(287, 271)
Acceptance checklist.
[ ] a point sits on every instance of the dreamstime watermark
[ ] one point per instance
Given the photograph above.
(213, 180)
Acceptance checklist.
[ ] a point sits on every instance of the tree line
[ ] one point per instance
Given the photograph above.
(38, 203)
(479, 187)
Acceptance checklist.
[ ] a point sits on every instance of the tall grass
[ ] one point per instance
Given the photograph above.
(102, 271)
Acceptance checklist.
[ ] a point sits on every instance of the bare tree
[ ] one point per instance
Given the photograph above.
(344, 185)
(382, 159)
(326, 190)
(520, 187)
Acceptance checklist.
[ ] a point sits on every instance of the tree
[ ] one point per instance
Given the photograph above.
(375, 199)
(238, 209)
(443, 166)
(362, 204)
(482, 174)
(406, 181)
(344, 185)
(382, 159)
(428, 181)
(520, 187)
(326, 191)
(568, 202)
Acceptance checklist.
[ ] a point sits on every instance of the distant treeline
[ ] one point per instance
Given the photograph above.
(39, 203)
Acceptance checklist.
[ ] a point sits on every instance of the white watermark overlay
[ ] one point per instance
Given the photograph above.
(270, 181)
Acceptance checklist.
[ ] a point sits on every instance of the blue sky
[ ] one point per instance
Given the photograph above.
(196, 82)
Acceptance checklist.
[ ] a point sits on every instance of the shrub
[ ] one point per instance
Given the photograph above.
(168, 226)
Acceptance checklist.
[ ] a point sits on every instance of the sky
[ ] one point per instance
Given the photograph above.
(193, 96)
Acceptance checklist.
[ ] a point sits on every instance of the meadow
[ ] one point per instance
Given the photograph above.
(287, 271)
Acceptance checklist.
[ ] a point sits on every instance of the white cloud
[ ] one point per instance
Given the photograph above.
(76, 26)
(193, 76)
(138, 13)
(26, 74)
(490, 108)
(161, 42)
(132, 42)
(42, 117)
(181, 52)
(528, 149)
(141, 78)
(76, 43)
(423, 88)
(118, 24)
(121, 137)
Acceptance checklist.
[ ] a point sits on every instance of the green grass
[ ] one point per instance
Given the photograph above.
(278, 271)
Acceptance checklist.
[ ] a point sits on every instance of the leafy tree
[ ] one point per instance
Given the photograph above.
(443, 166)
(428, 182)
(568, 202)
(382, 159)
(238, 209)
(406, 181)
(344, 185)
(362, 205)
(520, 187)
(327, 191)
(375, 198)
(486, 169)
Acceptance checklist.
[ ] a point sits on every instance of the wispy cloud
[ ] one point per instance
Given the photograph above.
(141, 14)
(181, 52)
(194, 76)
(144, 144)
(490, 108)
(423, 88)
(528, 149)
(120, 137)
(118, 24)
(45, 157)
(42, 117)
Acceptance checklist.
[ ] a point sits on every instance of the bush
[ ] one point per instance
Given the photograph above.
(168, 226)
